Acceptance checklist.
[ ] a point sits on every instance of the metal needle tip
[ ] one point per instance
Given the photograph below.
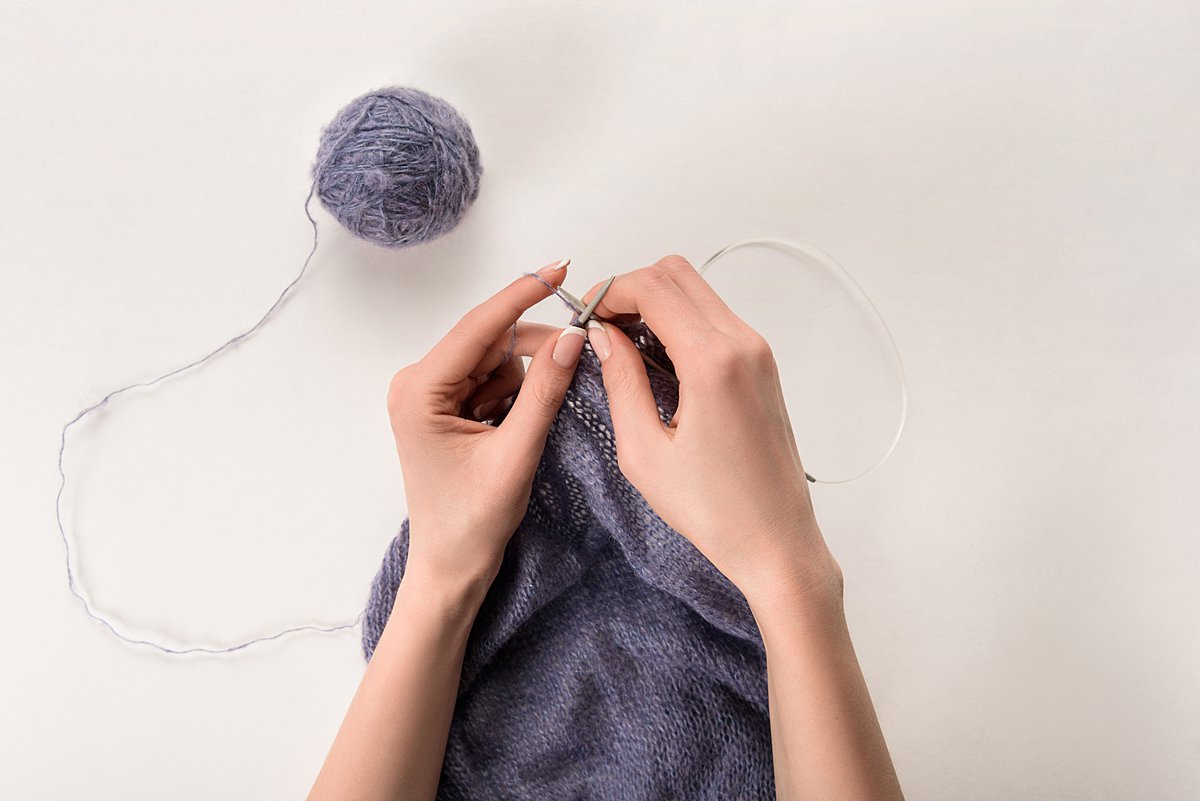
(591, 307)
(573, 301)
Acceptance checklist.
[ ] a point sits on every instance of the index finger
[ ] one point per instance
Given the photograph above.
(651, 293)
(459, 352)
(692, 284)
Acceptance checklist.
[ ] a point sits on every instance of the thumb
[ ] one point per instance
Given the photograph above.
(542, 392)
(636, 423)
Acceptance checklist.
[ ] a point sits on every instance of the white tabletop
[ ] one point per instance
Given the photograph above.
(1014, 184)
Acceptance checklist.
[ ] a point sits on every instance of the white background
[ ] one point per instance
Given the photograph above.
(1015, 184)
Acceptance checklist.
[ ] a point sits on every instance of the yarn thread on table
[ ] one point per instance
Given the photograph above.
(397, 167)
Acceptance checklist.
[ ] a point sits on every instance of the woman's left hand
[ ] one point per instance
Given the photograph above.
(468, 482)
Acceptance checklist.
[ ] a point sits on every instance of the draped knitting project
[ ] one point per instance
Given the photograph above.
(610, 659)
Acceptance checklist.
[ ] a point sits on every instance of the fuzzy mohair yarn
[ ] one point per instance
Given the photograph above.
(397, 166)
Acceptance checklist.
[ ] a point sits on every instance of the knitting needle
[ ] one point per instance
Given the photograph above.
(584, 313)
(572, 301)
(591, 307)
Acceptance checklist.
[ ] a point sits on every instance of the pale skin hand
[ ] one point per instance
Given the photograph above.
(467, 485)
(726, 473)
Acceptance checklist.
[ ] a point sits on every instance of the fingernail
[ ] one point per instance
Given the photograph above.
(555, 267)
(599, 339)
(566, 349)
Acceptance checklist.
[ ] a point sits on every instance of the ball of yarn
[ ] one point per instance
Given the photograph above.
(397, 166)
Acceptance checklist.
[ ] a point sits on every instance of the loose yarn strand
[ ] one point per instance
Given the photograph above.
(73, 583)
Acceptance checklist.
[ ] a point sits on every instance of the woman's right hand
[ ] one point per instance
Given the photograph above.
(725, 472)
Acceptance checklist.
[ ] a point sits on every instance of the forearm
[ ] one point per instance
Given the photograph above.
(826, 739)
(393, 738)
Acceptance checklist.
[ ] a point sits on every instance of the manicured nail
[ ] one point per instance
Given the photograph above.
(555, 267)
(598, 336)
(570, 342)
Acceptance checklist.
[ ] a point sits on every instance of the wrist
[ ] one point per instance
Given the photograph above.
(445, 595)
(453, 561)
(798, 577)
(429, 614)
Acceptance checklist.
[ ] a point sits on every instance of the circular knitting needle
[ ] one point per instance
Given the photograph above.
(572, 301)
(582, 319)
(586, 314)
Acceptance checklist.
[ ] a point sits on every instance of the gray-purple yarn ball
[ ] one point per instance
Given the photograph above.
(397, 166)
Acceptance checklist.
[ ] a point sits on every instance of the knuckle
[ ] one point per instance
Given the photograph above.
(655, 277)
(758, 350)
(673, 261)
(470, 316)
(629, 460)
(399, 390)
(466, 324)
(725, 357)
(619, 381)
(737, 357)
(548, 397)
(469, 324)
(674, 264)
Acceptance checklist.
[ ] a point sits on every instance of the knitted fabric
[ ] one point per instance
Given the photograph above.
(610, 659)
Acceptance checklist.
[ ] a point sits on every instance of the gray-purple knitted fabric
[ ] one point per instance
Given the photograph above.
(610, 659)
